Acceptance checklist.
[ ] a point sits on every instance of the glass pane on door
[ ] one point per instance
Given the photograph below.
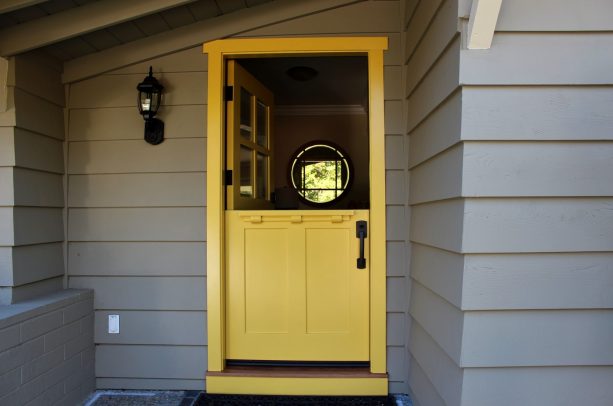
(261, 176)
(262, 124)
(246, 125)
(246, 165)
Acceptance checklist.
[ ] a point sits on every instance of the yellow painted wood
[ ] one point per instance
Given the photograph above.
(293, 290)
(239, 79)
(248, 47)
(220, 50)
(377, 214)
(296, 386)
(215, 216)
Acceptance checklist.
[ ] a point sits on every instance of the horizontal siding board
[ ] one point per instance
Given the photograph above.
(439, 131)
(121, 123)
(537, 169)
(38, 115)
(33, 263)
(538, 281)
(439, 318)
(540, 59)
(188, 60)
(397, 258)
(440, 82)
(144, 293)
(537, 338)
(395, 187)
(392, 78)
(439, 178)
(396, 228)
(424, 12)
(537, 113)
(120, 90)
(396, 364)
(438, 224)
(137, 258)
(7, 146)
(152, 328)
(555, 15)
(397, 298)
(440, 271)
(35, 151)
(7, 233)
(421, 387)
(438, 367)
(34, 188)
(137, 190)
(363, 18)
(394, 117)
(7, 195)
(396, 329)
(440, 33)
(395, 152)
(150, 384)
(35, 225)
(33, 75)
(128, 361)
(6, 266)
(137, 224)
(393, 54)
(564, 386)
(538, 225)
(173, 155)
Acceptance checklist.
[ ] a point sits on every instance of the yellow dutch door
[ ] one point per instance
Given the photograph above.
(297, 281)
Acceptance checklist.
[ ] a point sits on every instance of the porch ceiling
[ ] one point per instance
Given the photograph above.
(69, 29)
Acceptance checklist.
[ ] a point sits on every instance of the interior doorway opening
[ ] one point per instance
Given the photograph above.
(320, 131)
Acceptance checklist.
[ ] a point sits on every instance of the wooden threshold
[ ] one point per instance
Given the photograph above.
(296, 372)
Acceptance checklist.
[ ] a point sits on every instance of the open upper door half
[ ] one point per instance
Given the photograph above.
(249, 149)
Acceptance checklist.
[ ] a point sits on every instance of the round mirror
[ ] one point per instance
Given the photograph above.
(320, 172)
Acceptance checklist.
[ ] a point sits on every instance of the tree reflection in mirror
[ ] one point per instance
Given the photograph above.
(321, 173)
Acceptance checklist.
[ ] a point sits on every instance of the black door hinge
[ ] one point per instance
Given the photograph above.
(228, 177)
(229, 93)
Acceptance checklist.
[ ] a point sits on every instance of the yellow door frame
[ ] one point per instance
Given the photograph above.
(220, 50)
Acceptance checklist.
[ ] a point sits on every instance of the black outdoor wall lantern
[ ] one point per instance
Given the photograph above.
(149, 99)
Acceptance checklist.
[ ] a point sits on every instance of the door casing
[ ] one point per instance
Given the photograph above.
(220, 50)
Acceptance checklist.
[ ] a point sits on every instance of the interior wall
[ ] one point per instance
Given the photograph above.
(136, 212)
(31, 177)
(349, 132)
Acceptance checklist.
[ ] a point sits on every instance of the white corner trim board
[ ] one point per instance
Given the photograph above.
(482, 23)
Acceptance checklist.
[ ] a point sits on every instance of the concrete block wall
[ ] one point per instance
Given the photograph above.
(47, 350)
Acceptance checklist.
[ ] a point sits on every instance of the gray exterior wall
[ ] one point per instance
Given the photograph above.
(511, 225)
(31, 180)
(47, 350)
(136, 213)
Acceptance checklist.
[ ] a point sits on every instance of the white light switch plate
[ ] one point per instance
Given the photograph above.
(113, 324)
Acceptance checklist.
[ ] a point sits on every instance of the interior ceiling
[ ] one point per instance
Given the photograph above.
(341, 80)
(116, 34)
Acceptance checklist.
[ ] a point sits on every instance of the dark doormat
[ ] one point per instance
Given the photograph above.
(258, 400)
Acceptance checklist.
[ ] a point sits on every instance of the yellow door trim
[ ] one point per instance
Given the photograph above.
(247, 385)
(218, 51)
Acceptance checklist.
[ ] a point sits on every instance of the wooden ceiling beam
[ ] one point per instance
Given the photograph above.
(193, 35)
(77, 21)
(482, 23)
(7, 6)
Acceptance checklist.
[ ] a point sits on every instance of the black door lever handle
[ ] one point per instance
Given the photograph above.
(361, 232)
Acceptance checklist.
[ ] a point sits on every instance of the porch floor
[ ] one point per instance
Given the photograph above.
(167, 398)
